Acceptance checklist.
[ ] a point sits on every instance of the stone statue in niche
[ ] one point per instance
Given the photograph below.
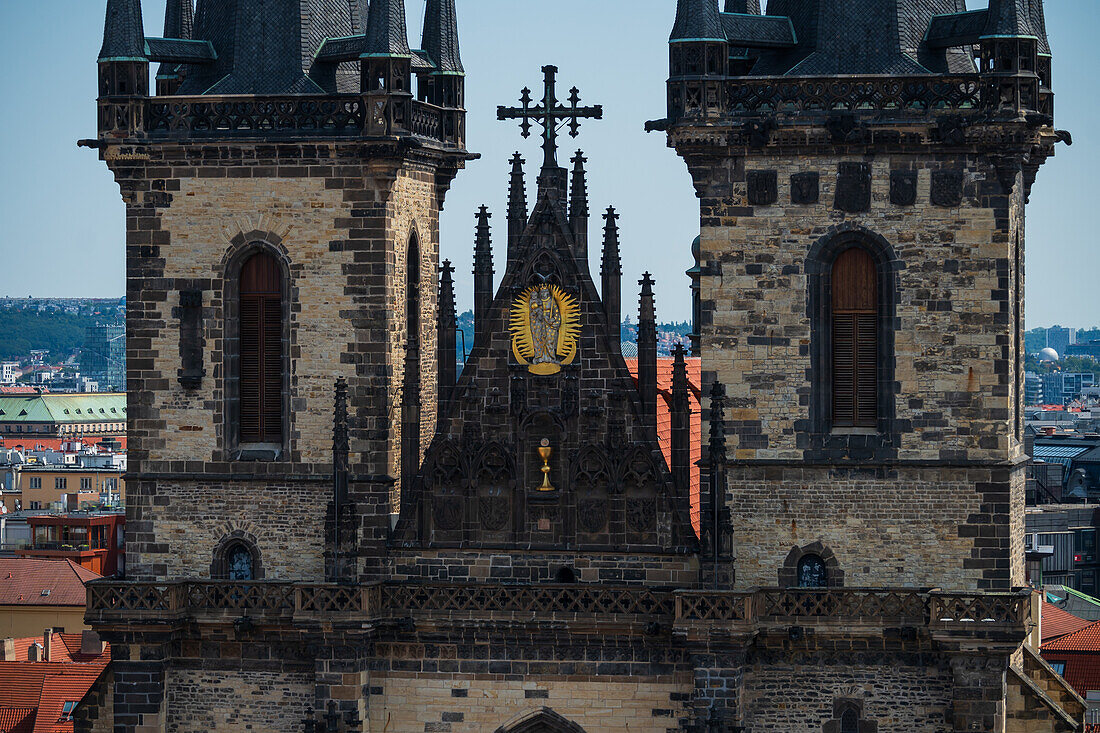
(545, 324)
(805, 188)
(903, 188)
(947, 188)
(853, 187)
(763, 188)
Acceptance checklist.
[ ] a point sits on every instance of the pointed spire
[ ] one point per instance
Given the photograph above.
(123, 32)
(517, 207)
(716, 448)
(745, 7)
(440, 38)
(483, 274)
(578, 198)
(647, 353)
(680, 417)
(611, 274)
(578, 210)
(697, 20)
(1039, 26)
(447, 331)
(387, 34)
(1008, 18)
(179, 19)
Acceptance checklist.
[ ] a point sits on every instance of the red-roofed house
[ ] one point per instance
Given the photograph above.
(664, 419)
(37, 594)
(1076, 656)
(39, 694)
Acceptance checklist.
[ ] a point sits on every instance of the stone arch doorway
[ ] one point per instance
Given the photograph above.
(543, 720)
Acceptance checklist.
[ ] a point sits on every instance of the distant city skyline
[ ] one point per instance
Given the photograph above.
(63, 215)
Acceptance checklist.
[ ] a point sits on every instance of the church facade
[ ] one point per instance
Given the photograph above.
(332, 530)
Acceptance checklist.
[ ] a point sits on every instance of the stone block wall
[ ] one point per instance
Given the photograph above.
(198, 700)
(481, 704)
(948, 527)
(801, 695)
(339, 217)
(953, 357)
(949, 391)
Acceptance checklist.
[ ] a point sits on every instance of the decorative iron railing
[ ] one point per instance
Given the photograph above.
(272, 117)
(120, 602)
(891, 95)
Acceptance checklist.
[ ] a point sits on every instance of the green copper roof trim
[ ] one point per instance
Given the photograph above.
(1021, 35)
(385, 56)
(696, 40)
(107, 59)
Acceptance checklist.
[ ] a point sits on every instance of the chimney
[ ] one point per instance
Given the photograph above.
(47, 645)
(34, 653)
(90, 643)
(1048, 430)
(7, 651)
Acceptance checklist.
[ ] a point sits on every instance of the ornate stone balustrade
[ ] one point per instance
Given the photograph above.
(117, 602)
(270, 117)
(890, 96)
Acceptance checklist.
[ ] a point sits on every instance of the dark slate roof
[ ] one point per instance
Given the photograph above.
(956, 28)
(750, 7)
(440, 39)
(1009, 18)
(758, 31)
(123, 33)
(861, 37)
(179, 19)
(697, 20)
(348, 48)
(267, 46)
(386, 31)
(1039, 25)
(179, 50)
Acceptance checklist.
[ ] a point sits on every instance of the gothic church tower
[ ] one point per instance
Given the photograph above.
(282, 192)
(862, 211)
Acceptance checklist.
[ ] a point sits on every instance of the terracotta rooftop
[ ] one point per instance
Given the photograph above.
(1058, 622)
(34, 694)
(664, 419)
(1080, 653)
(24, 582)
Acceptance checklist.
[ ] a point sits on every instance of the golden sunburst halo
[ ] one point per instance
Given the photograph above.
(534, 341)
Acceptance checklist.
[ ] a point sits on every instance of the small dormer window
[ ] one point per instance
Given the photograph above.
(45, 592)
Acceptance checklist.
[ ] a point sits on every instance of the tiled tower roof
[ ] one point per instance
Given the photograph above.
(123, 32)
(440, 40)
(386, 31)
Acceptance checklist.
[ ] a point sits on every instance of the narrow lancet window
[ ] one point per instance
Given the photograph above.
(855, 317)
(261, 358)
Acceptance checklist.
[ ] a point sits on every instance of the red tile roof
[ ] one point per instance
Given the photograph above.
(16, 720)
(1059, 622)
(23, 581)
(664, 419)
(1086, 639)
(39, 690)
(29, 443)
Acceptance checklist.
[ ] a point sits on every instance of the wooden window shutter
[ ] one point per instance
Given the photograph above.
(261, 356)
(855, 355)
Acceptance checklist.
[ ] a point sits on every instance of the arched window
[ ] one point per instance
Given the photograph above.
(261, 350)
(812, 572)
(849, 721)
(240, 565)
(855, 322)
(410, 405)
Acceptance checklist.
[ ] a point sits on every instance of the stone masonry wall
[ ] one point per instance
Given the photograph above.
(338, 216)
(800, 697)
(950, 384)
(952, 345)
(899, 526)
(480, 704)
(199, 701)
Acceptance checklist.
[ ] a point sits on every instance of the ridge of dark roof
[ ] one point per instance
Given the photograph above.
(745, 7)
(179, 19)
(758, 31)
(123, 32)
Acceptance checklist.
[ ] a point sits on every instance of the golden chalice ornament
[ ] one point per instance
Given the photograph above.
(545, 451)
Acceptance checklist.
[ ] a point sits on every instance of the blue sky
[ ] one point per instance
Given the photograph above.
(62, 230)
